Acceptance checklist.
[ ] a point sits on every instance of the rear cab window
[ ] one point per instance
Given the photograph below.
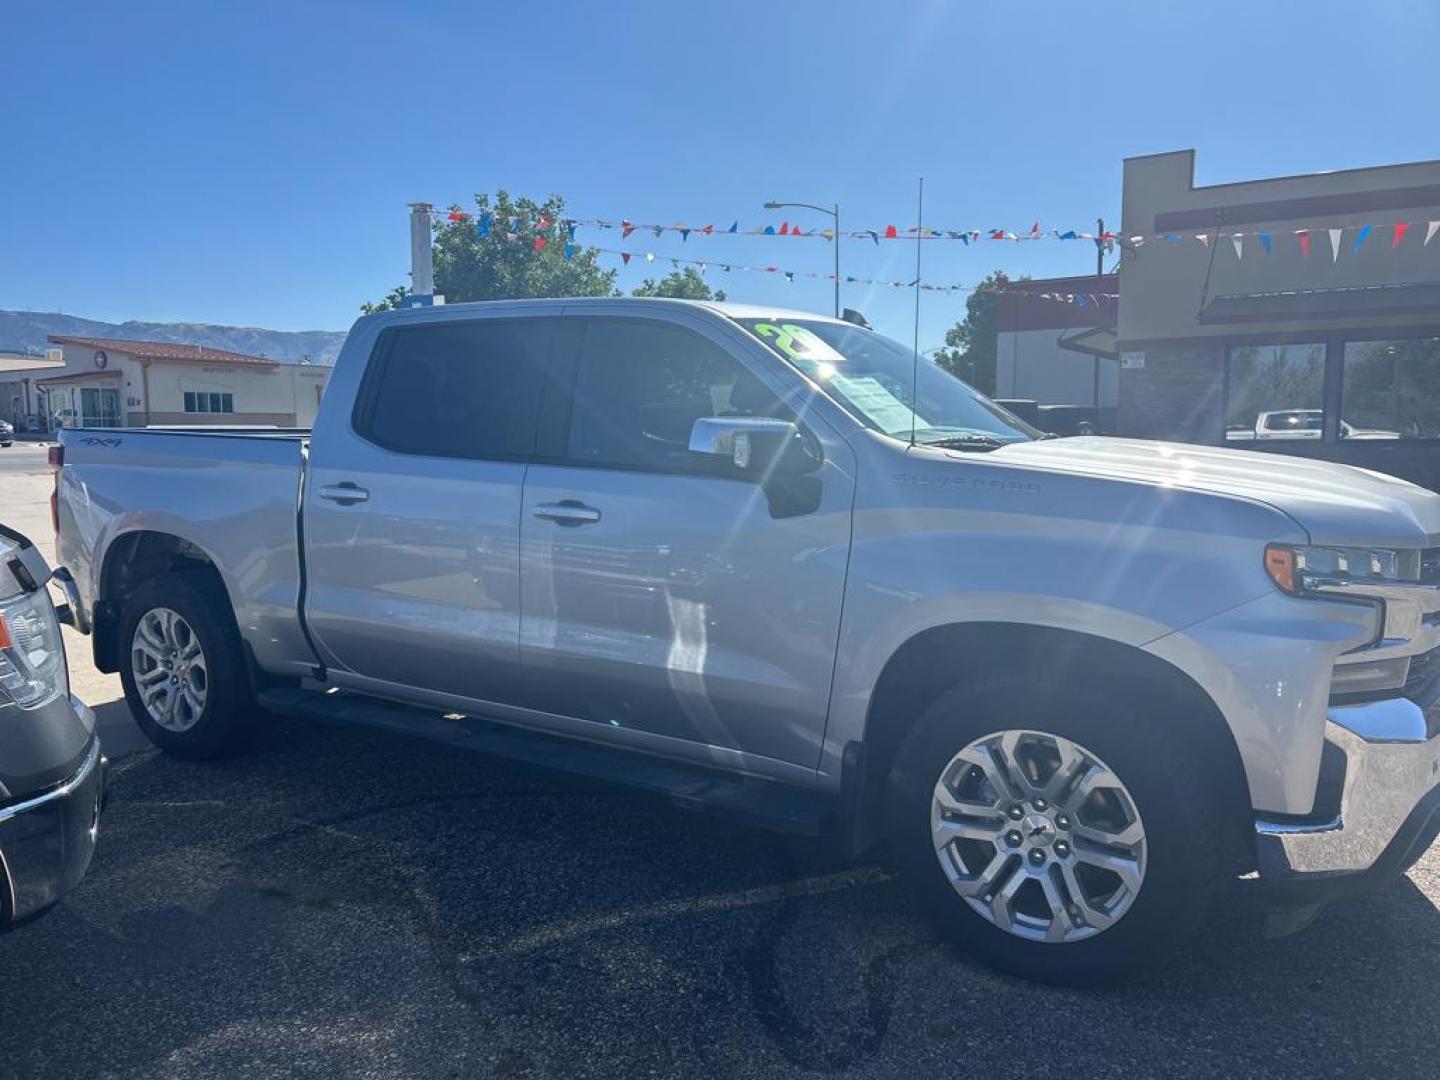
(456, 389)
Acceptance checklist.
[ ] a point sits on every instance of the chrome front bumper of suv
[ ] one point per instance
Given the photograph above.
(1383, 796)
(47, 839)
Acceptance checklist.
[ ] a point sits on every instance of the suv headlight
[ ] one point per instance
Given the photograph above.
(32, 655)
(1301, 570)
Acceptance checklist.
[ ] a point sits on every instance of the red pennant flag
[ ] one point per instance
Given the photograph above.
(458, 215)
(997, 234)
(771, 269)
(1035, 231)
(1400, 227)
(539, 243)
(784, 228)
(625, 257)
(1304, 237)
(543, 223)
(626, 228)
(890, 233)
(708, 229)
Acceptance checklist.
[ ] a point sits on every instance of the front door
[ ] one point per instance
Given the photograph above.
(661, 600)
(412, 511)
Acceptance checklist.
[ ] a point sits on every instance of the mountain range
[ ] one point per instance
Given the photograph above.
(27, 331)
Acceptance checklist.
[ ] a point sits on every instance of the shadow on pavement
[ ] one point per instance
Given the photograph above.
(351, 903)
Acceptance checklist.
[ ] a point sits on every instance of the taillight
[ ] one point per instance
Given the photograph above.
(56, 458)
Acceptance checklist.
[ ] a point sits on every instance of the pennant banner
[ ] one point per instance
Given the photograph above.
(1267, 238)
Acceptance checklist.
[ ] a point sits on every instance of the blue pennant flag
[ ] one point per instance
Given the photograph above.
(569, 252)
(684, 235)
(734, 227)
(1069, 234)
(1265, 241)
(482, 227)
(769, 230)
(1360, 237)
(570, 229)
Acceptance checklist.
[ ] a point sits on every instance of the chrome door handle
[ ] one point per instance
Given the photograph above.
(346, 493)
(567, 512)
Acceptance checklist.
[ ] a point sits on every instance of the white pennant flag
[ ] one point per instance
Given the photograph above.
(1334, 244)
(1203, 238)
(1430, 230)
(1238, 240)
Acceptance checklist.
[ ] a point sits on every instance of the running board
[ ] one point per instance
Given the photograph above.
(753, 800)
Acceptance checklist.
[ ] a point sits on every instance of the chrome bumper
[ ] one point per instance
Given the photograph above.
(1389, 800)
(46, 841)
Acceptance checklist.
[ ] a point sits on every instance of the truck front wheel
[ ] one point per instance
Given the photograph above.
(1061, 835)
(183, 667)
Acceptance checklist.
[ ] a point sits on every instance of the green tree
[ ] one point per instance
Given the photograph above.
(505, 263)
(687, 284)
(971, 343)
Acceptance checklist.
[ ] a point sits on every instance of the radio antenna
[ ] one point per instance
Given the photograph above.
(915, 362)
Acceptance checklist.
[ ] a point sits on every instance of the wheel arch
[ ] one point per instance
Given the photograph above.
(934, 660)
(131, 559)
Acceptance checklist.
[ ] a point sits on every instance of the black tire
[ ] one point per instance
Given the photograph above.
(229, 714)
(1174, 793)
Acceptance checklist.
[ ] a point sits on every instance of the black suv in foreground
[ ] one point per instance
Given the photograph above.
(52, 773)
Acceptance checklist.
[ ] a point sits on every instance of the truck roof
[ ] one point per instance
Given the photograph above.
(639, 303)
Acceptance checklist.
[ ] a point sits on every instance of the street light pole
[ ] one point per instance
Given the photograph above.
(834, 213)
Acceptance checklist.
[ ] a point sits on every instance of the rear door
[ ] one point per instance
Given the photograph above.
(412, 510)
(663, 602)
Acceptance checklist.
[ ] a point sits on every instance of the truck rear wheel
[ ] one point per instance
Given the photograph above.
(1059, 834)
(183, 667)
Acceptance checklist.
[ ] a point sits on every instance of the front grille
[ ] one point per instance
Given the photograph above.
(1430, 566)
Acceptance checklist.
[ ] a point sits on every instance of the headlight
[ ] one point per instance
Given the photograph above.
(1299, 570)
(32, 656)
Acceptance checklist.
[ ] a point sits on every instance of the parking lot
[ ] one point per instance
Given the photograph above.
(346, 903)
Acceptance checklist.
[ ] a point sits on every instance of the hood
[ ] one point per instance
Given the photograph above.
(1335, 504)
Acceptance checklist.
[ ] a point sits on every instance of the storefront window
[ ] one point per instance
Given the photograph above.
(208, 403)
(1275, 392)
(1391, 389)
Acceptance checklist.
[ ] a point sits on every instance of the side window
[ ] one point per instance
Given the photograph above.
(642, 385)
(466, 390)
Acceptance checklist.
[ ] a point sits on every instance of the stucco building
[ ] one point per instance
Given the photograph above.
(113, 383)
(1055, 343)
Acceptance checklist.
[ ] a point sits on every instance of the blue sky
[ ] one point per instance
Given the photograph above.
(250, 163)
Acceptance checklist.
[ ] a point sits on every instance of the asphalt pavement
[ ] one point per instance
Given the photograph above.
(345, 903)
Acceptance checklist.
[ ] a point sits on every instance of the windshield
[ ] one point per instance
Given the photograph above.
(872, 376)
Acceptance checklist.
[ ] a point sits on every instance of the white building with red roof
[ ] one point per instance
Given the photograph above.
(107, 382)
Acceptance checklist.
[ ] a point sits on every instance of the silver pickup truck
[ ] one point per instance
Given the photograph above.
(1075, 683)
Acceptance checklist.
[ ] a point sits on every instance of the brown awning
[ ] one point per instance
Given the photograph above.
(1418, 298)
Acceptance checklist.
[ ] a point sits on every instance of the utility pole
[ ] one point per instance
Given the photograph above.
(1095, 359)
(422, 266)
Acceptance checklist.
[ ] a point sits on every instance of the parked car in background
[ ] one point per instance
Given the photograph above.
(1293, 424)
(52, 771)
(7, 433)
(1077, 683)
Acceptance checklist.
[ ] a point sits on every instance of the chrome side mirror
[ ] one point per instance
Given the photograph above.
(746, 441)
(779, 455)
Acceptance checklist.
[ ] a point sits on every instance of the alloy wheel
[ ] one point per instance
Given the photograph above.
(1038, 835)
(169, 668)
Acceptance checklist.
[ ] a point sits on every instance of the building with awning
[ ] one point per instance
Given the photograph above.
(1296, 313)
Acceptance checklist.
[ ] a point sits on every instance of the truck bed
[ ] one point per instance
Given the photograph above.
(231, 492)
